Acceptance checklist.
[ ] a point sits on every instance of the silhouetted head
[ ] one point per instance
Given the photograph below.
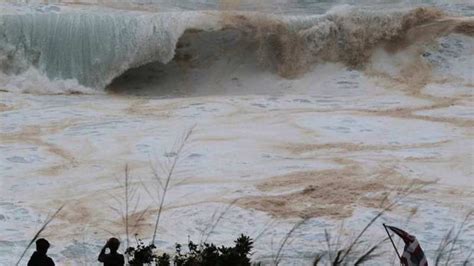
(42, 245)
(113, 244)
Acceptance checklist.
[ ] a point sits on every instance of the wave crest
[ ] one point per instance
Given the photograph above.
(93, 48)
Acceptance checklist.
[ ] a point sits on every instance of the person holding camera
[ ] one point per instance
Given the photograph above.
(113, 258)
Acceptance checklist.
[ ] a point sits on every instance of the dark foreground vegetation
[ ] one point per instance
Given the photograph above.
(194, 255)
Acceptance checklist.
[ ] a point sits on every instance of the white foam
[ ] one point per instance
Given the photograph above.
(32, 81)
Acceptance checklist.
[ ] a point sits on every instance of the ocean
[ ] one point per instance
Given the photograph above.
(299, 109)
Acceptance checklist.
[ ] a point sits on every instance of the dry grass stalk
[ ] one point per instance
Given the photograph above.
(127, 206)
(169, 174)
(296, 226)
(450, 241)
(369, 254)
(43, 227)
(207, 232)
(404, 192)
(353, 253)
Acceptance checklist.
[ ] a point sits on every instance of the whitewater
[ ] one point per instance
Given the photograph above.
(92, 47)
(300, 109)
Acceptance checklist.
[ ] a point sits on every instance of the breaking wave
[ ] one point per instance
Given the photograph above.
(74, 50)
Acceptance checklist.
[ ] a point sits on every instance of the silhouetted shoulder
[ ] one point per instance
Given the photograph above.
(38, 259)
(50, 262)
(112, 259)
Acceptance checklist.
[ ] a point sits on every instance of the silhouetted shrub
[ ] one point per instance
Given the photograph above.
(163, 260)
(141, 254)
(196, 255)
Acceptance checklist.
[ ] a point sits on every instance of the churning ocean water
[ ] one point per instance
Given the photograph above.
(302, 108)
(83, 45)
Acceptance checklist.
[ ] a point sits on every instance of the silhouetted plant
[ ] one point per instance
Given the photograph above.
(195, 255)
(209, 254)
(163, 260)
(142, 254)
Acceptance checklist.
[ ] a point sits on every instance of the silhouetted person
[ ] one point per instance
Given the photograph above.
(113, 258)
(39, 257)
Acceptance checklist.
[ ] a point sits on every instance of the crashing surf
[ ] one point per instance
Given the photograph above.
(76, 50)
